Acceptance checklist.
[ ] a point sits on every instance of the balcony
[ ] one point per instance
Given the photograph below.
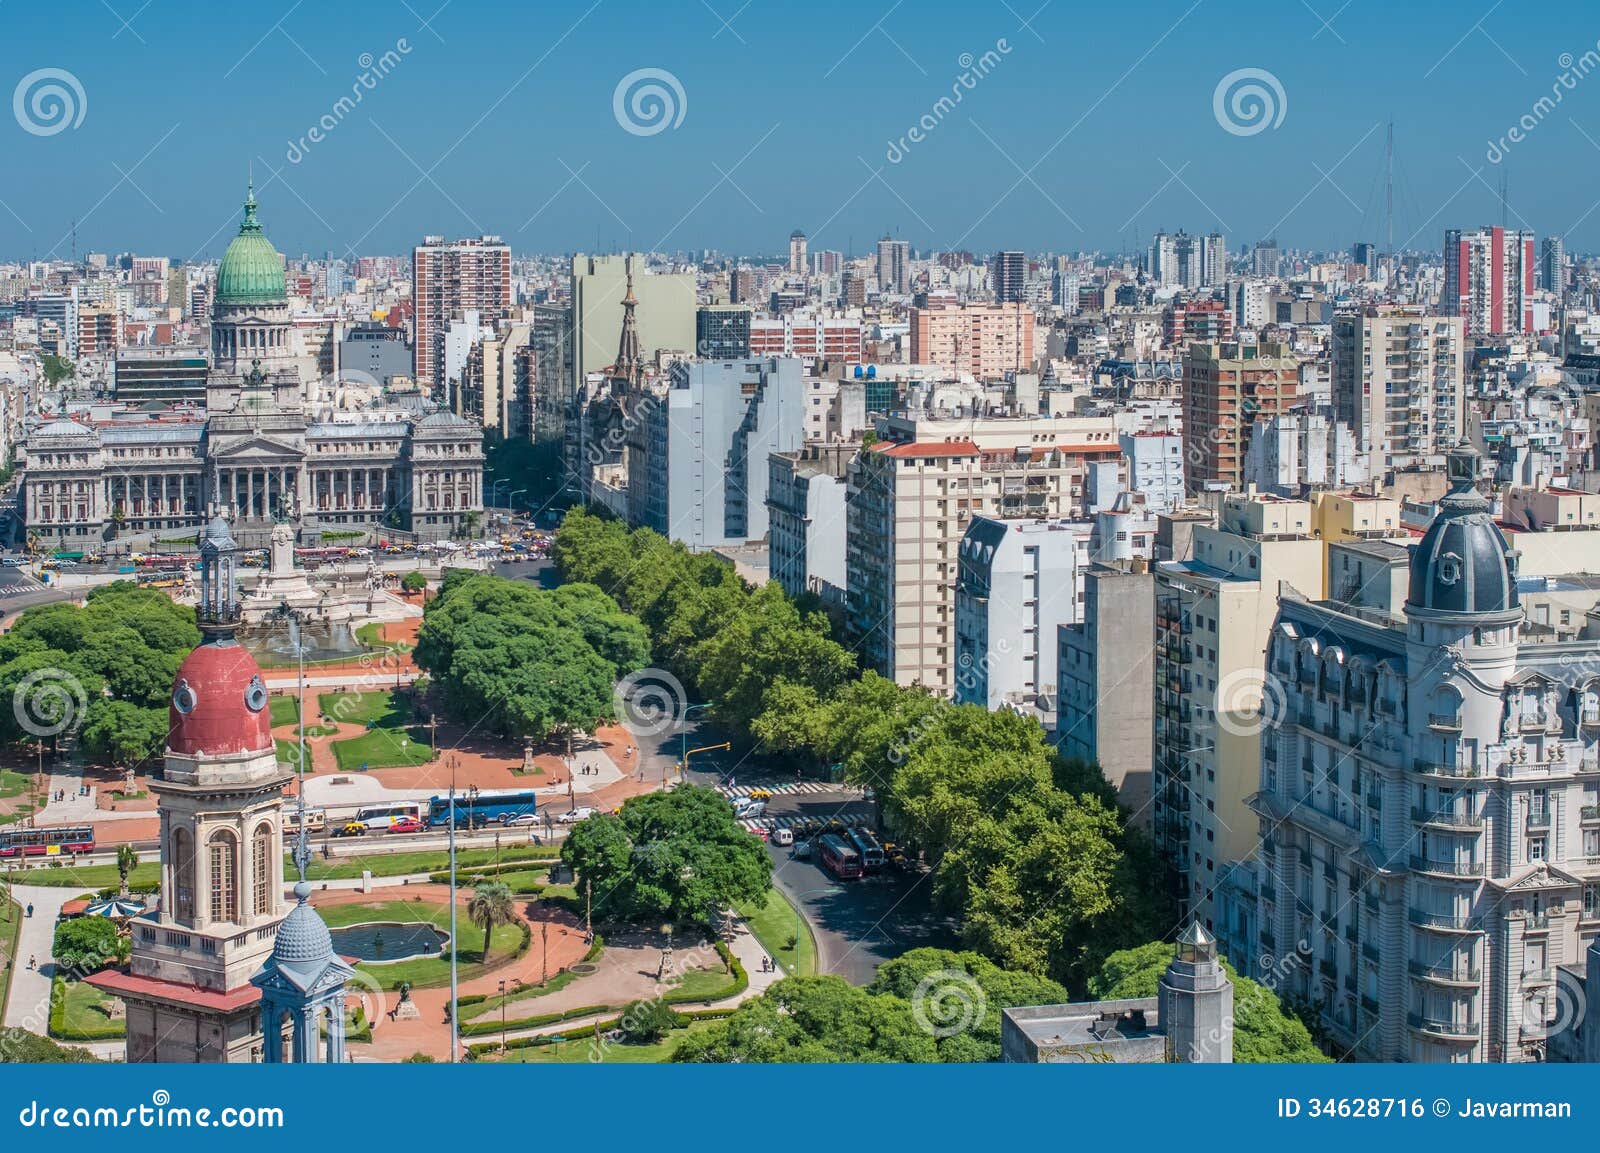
(1444, 722)
(1446, 819)
(1370, 1004)
(1455, 772)
(1533, 922)
(1447, 868)
(1433, 1027)
(1449, 922)
(1589, 815)
(1538, 818)
(1329, 969)
(1371, 952)
(1460, 975)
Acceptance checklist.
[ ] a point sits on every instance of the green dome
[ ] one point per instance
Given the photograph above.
(251, 271)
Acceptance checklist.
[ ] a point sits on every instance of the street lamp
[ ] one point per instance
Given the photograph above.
(513, 501)
(826, 890)
(683, 735)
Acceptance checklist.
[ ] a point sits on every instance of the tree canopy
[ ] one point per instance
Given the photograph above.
(83, 944)
(107, 666)
(1262, 1032)
(677, 856)
(527, 662)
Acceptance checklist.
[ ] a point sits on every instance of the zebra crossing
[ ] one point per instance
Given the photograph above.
(849, 814)
(786, 789)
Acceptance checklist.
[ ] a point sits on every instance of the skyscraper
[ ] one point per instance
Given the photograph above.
(1226, 389)
(797, 253)
(1213, 260)
(1553, 265)
(448, 278)
(1009, 275)
(894, 266)
(1488, 280)
(1398, 378)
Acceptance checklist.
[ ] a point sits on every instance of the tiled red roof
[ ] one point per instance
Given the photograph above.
(927, 448)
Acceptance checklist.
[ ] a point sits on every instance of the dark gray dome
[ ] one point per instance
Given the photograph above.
(303, 936)
(1463, 564)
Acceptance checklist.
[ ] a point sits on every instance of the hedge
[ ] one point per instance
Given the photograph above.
(583, 1032)
(110, 1031)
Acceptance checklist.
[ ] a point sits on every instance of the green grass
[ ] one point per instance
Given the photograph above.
(286, 754)
(10, 929)
(371, 635)
(773, 925)
(84, 1014)
(381, 749)
(701, 983)
(434, 861)
(377, 708)
(585, 1050)
(16, 814)
(12, 783)
(527, 992)
(284, 710)
(421, 972)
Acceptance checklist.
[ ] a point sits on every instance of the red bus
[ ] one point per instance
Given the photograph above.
(65, 840)
(838, 858)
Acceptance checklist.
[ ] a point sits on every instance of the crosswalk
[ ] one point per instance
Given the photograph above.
(849, 814)
(785, 789)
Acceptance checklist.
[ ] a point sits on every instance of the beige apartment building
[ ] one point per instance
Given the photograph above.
(911, 496)
(1398, 381)
(1226, 389)
(987, 340)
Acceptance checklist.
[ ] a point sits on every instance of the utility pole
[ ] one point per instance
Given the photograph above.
(588, 908)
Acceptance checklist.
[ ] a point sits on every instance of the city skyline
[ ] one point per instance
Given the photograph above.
(842, 125)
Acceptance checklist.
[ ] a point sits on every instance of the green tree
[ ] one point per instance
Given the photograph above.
(123, 733)
(413, 582)
(964, 994)
(676, 856)
(1262, 1030)
(127, 862)
(84, 944)
(814, 1019)
(490, 905)
(20, 1047)
(57, 369)
(645, 1021)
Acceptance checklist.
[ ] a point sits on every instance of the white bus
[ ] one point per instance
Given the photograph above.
(394, 817)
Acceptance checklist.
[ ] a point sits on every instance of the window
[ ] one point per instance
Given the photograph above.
(261, 868)
(1537, 848)
(183, 874)
(224, 876)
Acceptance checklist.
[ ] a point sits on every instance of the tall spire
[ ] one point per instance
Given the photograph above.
(629, 365)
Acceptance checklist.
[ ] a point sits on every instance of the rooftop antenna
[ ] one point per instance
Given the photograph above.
(1388, 196)
(1505, 202)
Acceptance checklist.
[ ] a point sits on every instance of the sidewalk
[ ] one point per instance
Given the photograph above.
(29, 1004)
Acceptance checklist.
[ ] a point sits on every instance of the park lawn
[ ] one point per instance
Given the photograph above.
(90, 878)
(86, 1013)
(371, 635)
(372, 708)
(10, 928)
(585, 1049)
(381, 749)
(16, 814)
(430, 861)
(286, 753)
(422, 972)
(773, 925)
(284, 710)
(702, 983)
(12, 783)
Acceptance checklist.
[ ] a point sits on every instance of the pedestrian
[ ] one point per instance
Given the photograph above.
(30, 908)
(32, 964)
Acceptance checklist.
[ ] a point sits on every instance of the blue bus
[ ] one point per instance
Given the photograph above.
(483, 809)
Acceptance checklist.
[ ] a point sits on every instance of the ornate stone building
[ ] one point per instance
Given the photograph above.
(265, 447)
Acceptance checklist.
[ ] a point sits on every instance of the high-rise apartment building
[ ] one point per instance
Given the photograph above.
(987, 340)
(1553, 265)
(797, 253)
(1226, 389)
(811, 336)
(894, 266)
(1264, 259)
(1399, 382)
(1008, 276)
(1213, 260)
(722, 331)
(99, 330)
(911, 496)
(448, 278)
(1489, 280)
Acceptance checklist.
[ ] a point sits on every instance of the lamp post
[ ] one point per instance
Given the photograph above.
(513, 501)
(826, 890)
(504, 1048)
(683, 738)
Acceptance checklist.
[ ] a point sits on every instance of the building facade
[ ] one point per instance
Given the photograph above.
(448, 279)
(1489, 280)
(1399, 382)
(1226, 389)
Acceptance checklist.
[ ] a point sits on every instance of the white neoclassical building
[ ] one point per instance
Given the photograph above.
(1428, 873)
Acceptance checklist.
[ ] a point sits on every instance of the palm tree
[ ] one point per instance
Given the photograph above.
(127, 862)
(490, 905)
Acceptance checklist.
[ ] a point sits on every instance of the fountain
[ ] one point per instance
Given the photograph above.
(380, 942)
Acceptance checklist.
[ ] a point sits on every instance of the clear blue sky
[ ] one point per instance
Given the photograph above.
(1095, 124)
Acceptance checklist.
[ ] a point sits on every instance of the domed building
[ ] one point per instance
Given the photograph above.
(189, 991)
(269, 447)
(1428, 871)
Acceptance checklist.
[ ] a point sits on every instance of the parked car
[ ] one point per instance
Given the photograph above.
(408, 825)
(783, 837)
(520, 820)
(575, 815)
(801, 851)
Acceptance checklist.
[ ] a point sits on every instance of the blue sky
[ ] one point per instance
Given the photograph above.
(1094, 125)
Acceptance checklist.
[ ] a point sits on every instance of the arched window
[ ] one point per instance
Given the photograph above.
(182, 875)
(224, 871)
(261, 866)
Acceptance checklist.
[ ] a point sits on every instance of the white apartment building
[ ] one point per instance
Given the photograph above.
(1155, 467)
